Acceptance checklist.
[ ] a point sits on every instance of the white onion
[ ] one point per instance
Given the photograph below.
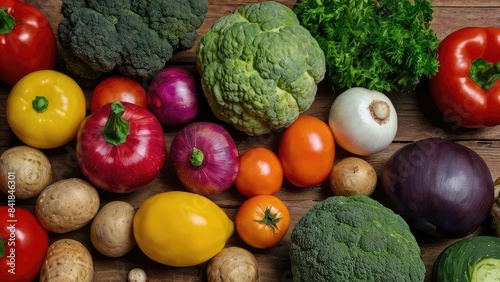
(363, 121)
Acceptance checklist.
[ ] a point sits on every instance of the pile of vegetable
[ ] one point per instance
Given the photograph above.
(382, 45)
(258, 67)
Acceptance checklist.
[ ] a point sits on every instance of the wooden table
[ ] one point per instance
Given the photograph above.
(418, 118)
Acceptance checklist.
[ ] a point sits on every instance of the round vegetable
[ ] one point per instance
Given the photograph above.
(23, 244)
(121, 147)
(24, 172)
(111, 231)
(137, 275)
(118, 89)
(307, 151)
(353, 176)
(173, 96)
(67, 205)
(260, 173)
(205, 158)
(495, 209)
(259, 67)
(472, 259)
(233, 264)
(441, 187)
(45, 108)
(67, 260)
(354, 238)
(363, 121)
(181, 228)
(262, 221)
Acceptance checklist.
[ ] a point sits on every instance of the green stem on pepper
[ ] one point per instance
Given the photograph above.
(484, 73)
(40, 104)
(7, 22)
(116, 128)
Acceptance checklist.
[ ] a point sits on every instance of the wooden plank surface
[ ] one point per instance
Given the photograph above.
(418, 118)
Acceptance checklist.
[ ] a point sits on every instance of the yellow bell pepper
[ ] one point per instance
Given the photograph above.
(45, 109)
(179, 228)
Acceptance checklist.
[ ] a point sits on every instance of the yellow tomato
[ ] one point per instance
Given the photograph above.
(181, 228)
(45, 109)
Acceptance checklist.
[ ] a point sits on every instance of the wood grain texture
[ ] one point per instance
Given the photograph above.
(418, 119)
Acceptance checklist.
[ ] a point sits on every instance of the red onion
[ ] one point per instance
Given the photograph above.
(205, 158)
(173, 97)
(441, 187)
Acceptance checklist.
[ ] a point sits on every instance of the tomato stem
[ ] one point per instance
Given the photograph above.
(484, 73)
(7, 22)
(40, 104)
(196, 157)
(116, 128)
(2, 247)
(270, 219)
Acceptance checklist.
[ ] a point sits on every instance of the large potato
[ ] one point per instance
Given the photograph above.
(67, 260)
(67, 205)
(24, 172)
(111, 231)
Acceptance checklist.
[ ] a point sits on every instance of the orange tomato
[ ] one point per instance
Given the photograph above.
(307, 151)
(260, 173)
(262, 221)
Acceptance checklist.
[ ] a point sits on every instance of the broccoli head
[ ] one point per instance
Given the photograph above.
(133, 37)
(354, 238)
(260, 68)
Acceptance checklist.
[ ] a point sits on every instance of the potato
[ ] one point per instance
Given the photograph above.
(137, 275)
(233, 264)
(111, 231)
(67, 205)
(24, 172)
(67, 260)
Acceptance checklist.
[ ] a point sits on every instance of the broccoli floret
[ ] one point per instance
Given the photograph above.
(260, 68)
(354, 238)
(134, 37)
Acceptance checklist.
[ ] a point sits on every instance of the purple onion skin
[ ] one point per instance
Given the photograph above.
(173, 97)
(221, 162)
(440, 187)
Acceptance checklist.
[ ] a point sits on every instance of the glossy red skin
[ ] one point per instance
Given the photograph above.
(458, 97)
(118, 88)
(31, 242)
(126, 167)
(220, 165)
(30, 46)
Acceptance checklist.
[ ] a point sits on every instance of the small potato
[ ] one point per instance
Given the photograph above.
(24, 172)
(111, 231)
(67, 205)
(137, 275)
(67, 260)
(353, 176)
(233, 264)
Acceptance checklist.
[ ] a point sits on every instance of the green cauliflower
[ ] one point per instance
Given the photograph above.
(134, 37)
(354, 238)
(260, 68)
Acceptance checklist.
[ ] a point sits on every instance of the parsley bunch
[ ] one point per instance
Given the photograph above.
(384, 45)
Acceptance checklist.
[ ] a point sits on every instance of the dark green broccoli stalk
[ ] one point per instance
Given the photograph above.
(134, 37)
(354, 238)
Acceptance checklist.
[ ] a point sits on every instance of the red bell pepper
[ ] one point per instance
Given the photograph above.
(466, 88)
(23, 244)
(121, 147)
(27, 41)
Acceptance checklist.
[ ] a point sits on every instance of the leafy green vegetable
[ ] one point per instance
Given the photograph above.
(354, 238)
(382, 45)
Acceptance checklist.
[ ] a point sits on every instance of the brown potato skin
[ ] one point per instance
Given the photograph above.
(233, 264)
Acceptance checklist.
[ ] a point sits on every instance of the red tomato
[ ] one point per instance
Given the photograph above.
(24, 242)
(118, 89)
(262, 221)
(307, 151)
(27, 41)
(260, 173)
